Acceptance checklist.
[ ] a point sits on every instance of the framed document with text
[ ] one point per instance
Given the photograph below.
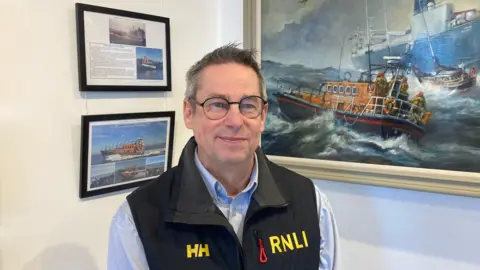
(121, 50)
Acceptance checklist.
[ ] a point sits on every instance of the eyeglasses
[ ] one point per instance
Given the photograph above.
(217, 107)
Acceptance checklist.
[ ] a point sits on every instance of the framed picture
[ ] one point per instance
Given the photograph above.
(373, 92)
(122, 151)
(121, 50)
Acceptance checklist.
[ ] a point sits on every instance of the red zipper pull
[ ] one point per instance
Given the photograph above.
(263, 256)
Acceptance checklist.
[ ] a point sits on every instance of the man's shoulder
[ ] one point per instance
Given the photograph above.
(288, 177)
(294, 179)
(287, 174)
(160, 185)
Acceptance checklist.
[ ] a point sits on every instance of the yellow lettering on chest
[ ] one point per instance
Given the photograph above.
(288, 242)
(198, 250)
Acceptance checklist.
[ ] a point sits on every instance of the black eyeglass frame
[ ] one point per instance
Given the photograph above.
(202, 104)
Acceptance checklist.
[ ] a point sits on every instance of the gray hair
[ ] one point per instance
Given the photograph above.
(226, 54)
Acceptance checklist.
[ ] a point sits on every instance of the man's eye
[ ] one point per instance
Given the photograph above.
(219, 105)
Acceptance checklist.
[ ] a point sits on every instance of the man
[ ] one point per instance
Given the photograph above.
(225, 205)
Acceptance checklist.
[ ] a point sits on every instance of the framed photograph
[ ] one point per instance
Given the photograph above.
(122, 151)
(120, 50)
(376, 92)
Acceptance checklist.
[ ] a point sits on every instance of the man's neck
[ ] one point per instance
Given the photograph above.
(234, 176)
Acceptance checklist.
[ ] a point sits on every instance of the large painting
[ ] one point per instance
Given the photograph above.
(383, 82)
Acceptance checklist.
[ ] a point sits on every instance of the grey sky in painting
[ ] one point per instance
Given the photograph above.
(311, 34)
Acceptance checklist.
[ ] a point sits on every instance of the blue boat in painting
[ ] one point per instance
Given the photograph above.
(438, 34)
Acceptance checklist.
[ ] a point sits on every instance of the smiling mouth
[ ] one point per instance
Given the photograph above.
(233, 139)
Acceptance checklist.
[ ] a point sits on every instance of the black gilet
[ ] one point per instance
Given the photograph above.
(180, 227)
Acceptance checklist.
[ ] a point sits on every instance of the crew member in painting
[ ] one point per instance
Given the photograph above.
(225, 205)
(420, 107)
(473, 72)
(381, 84)
(404, 85)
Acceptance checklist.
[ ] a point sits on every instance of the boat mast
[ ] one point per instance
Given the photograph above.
(367, 32)
(426, 28)
(341, 56)
(386, 26)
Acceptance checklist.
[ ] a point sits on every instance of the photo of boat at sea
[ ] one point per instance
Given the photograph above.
(379, 81)
(149, 63)
(118, 142)
(121, 172)
(128, 151)
(127, 32)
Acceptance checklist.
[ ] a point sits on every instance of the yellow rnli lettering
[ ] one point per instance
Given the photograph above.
(287, 242)
(198, 250)
(275, 243)
(305, 241)
(297, 245)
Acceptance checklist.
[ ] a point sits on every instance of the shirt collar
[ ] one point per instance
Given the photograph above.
(191, 203)
(216, 189)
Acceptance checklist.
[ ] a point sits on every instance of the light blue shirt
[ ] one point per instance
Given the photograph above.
(125, 250)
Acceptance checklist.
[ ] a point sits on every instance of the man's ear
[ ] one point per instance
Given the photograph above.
(264, 117)
(187, 114)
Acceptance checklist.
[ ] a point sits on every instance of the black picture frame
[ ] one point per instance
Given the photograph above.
(121, 50)
(123, 151)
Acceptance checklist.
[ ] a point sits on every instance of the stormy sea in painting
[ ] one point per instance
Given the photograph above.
(389, 82)
(451, 142)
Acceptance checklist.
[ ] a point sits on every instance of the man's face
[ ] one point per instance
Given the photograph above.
(233, 138)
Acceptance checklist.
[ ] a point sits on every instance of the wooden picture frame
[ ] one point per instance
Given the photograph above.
(121, 50)
(123, 151)
(461, 183)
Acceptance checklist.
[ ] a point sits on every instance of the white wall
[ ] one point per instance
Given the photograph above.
(43, 223)
(383, 228)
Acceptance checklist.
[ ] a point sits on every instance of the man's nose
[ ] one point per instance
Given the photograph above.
(234, 117)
